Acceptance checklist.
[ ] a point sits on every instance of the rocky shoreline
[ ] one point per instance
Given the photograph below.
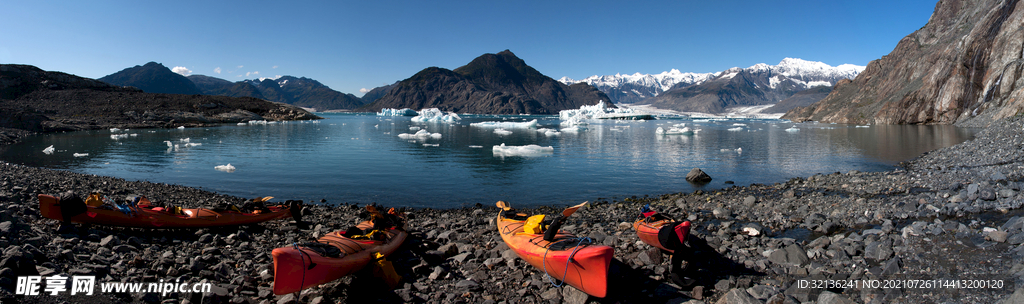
(951, 214)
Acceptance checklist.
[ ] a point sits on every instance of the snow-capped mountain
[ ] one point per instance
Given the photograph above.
(637, 87)
(791, 75)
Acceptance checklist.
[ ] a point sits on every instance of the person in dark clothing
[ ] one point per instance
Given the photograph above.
(674, 235)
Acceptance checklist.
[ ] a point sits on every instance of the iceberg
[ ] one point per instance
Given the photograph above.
(549, 132)
(736, 129)
(81, 154)
(505, 124)
(676, 131)
(421, 134)
(501, 131)
(598, 111)
(225, 168)
(527, 150)
(792, 129)
(118, 136)
(435, 115)
(49, 150)
(181, 128)
(397, 112)
(257, 122)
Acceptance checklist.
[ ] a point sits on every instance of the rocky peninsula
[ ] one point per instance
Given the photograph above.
(950, 215)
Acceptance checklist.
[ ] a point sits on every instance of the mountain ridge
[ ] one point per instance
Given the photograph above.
(686, 93)
(489, 84)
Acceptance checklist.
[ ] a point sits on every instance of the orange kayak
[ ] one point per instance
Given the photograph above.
(565, 258)
(297, 267)
(143, 217)
(647, 230)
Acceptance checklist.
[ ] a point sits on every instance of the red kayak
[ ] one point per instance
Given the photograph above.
(302, 266)
(566, 257)
(145, 217)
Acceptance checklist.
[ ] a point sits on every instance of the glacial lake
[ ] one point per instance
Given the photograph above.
(360, 158)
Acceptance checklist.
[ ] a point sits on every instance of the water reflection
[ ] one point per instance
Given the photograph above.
(361, 159)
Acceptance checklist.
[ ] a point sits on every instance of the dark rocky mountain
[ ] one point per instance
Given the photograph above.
(803, 98)
(377, 93)
(305, 92)
(215, 86)
(963, 67)
(760, 84)
(35, 100)
(152, 78)
(490, 84)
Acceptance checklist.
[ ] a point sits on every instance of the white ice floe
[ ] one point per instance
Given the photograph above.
(793, 129)
(421, 134)
(736, 129)
(737, 150)
(599, 111)
(49, 150)
(431, 145)
(397, 112)
(475, 146)
(676, 131)
(225, 168)
(864, 126)
(549, 132)
(505, 124)
(257, 122)
(436, 115)
(574, 129)
(414, 128)
(242, 124)
(501, 131)
(189, 145)
(118, 136)
(181, 128)
(115, 130)
(81, 154)
(527, 150)
(185, 140)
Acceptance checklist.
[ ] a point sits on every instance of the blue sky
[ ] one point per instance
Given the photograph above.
(352, 45)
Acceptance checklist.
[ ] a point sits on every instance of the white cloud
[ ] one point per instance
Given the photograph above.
(182, 70)
(274, 67)
(241, 66)
(247, 74)
(364, 90)
(217, 70)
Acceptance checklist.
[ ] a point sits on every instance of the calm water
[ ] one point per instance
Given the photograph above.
(360, 158)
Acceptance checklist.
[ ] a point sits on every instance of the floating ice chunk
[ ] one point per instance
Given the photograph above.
(225, 168)
(573, 129)
(736, 129)
(527, 150)
(414, 128)
(242, 124)
(675, 131)
(181, 128)
(549, 132)
(598, 111)
(49, 150)
(792, 129)
(115, 130)
(739, 124)
(419, 134)
(476, 147)
(397, 112)
(864, 126)
(169, 144)
(737, 150)
(505, 124)
(189, 145)
(501, 131)
(118, 136)
(435, 115)
(257, 122)
(81, 154)
(185, 140)
(431, 145)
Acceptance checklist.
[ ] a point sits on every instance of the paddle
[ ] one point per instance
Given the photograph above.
(549, 235)
(504, 206)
